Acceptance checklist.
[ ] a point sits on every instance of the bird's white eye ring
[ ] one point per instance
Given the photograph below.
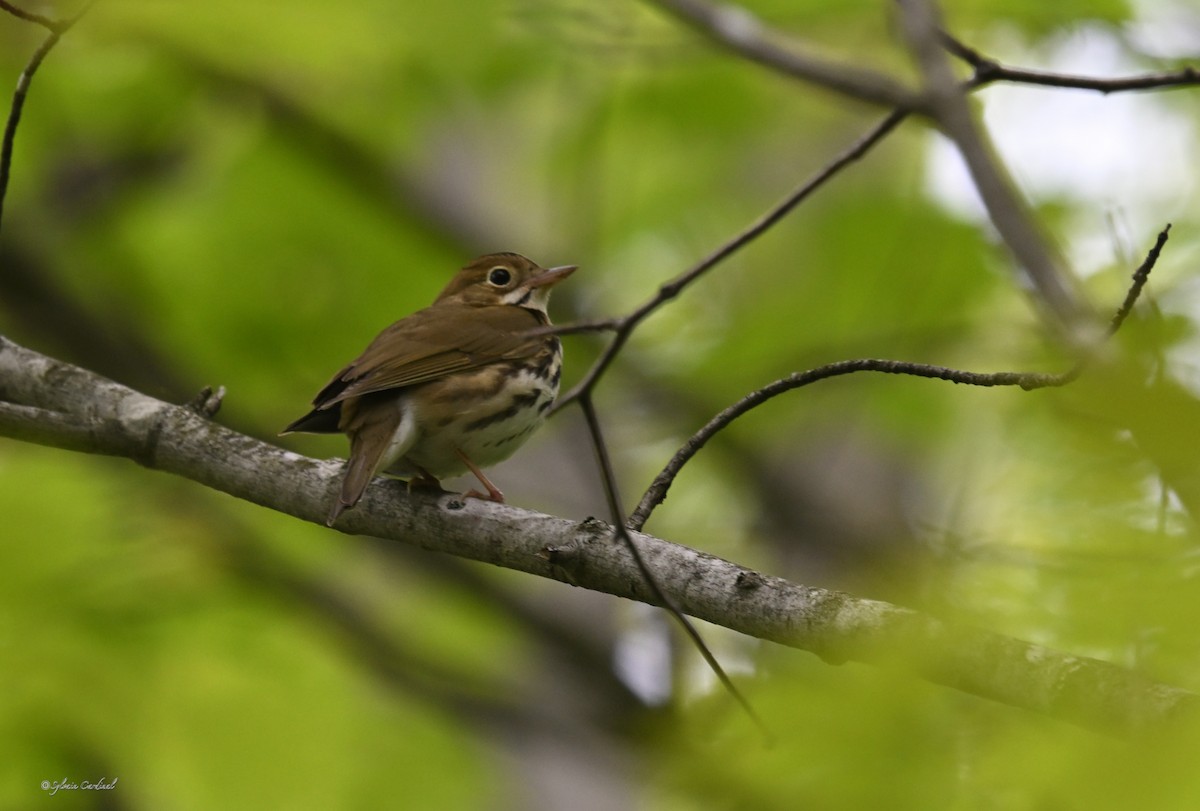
(499, 276)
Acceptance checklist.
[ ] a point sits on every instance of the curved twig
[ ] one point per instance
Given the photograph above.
(57, 29)
(656, 493)
(53, 26)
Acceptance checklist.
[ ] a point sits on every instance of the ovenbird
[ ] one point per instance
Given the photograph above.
(454, 387)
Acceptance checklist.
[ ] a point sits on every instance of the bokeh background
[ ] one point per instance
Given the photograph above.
(243, 194)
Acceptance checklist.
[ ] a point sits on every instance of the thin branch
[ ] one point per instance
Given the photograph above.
(624, 326)
(987, 71)
(656, 493)
(14, 113)
(838, 627)
(660, 597)
(57, 29)
(737, 30)
(53, 26)
(1139, 279)
(995, 72)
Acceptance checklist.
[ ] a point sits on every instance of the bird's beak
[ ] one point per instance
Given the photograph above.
(551, 276)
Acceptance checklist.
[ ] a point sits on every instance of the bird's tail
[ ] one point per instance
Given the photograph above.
(378, 437)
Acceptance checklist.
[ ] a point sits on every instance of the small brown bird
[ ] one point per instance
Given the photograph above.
(454, 387)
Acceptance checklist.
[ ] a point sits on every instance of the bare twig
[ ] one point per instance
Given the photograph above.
(1140, 277)
(57, 29)
(14, 114)
(624, 326)
(53, 26)
(620, 533)
(737, 30)
(995, 72)
(657, 492)
(989, 71)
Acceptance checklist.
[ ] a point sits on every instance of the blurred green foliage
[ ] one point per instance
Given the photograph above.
(243, 194)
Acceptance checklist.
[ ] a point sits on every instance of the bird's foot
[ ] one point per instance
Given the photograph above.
(493, 493)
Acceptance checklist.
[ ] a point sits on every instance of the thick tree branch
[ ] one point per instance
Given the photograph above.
(99, 416)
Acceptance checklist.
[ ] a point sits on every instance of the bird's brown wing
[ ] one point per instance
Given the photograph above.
(422, 347)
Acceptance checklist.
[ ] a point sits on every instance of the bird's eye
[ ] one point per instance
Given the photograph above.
(499, 276)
